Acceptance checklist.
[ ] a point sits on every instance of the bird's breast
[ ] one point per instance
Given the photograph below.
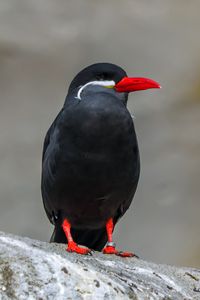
(96, 165)
(97, 143)
(99, 126)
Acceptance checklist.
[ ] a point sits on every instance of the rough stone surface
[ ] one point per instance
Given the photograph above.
(32, 269)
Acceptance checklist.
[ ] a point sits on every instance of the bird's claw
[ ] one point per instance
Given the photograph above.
(73, 247)
(125, 254)
(113, 250)
(110, 250)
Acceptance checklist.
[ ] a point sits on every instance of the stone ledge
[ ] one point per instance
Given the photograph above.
(32, 269)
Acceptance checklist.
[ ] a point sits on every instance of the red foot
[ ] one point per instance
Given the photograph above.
(73, 247)
(112, 250)
(125, 254)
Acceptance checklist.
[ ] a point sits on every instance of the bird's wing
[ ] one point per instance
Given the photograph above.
(49, 134)
(126, 204)
(48, 165)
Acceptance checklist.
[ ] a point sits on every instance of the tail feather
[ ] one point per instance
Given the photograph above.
(93, 239)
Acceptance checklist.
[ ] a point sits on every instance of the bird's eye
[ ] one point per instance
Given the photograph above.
(100, 77)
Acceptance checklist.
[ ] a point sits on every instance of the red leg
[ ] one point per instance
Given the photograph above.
(72, 246)
(110, 247)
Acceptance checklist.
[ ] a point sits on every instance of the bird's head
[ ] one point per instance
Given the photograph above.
(109, 76)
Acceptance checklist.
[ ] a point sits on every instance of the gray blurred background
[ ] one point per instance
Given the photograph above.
(43, 44)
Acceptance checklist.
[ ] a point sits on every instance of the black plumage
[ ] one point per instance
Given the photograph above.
(90, 163)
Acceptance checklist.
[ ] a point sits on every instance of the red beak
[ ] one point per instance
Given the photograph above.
(128, 84)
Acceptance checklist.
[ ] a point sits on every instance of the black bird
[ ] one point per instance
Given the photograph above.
(90, 163)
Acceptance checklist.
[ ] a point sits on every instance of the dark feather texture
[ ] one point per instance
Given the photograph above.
(90, 166)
